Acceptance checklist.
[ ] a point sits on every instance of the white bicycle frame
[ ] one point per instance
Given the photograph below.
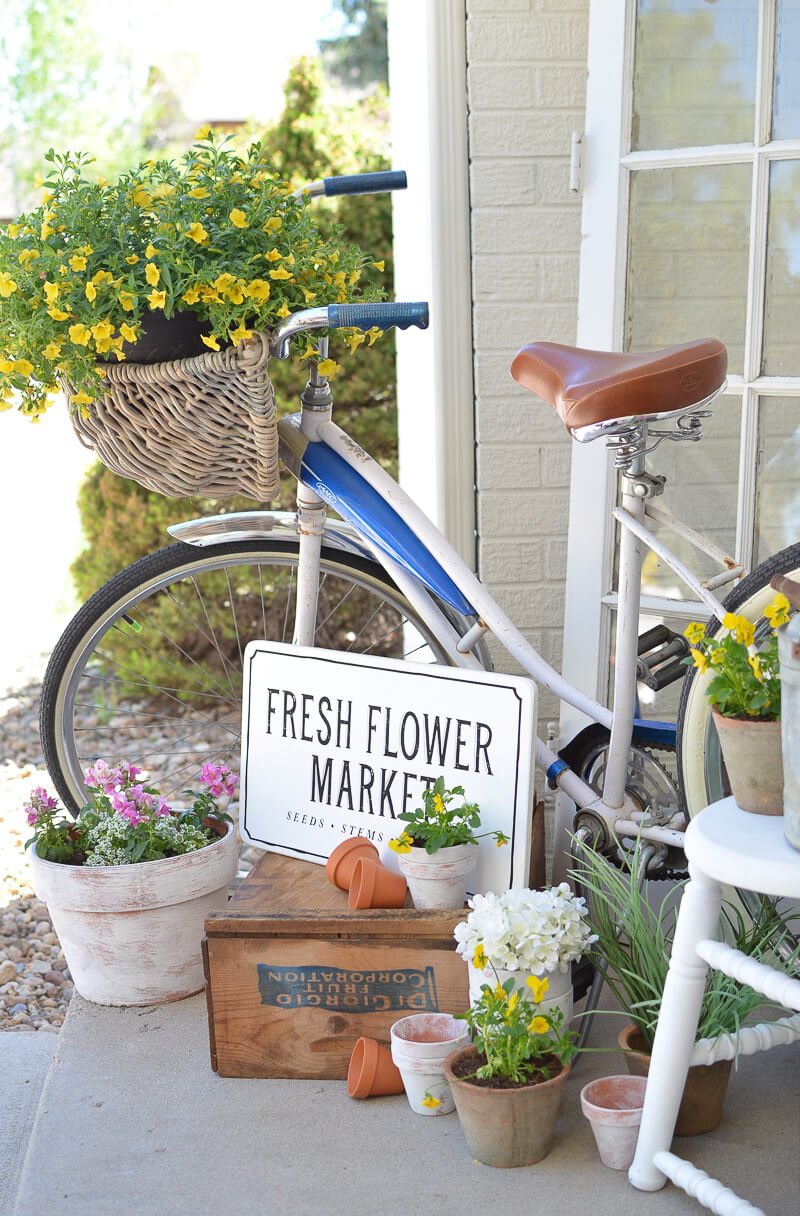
(614, 810)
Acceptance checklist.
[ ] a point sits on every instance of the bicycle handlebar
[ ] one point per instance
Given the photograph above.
(348, 316)
(378, 316)
(356, 183)
(366, 183)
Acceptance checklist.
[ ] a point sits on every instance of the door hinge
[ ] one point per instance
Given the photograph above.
(576, 162)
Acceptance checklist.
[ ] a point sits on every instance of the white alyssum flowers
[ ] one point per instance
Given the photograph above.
(522, 930)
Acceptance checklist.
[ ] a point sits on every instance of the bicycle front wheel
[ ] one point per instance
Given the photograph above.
(150, 668)
(700, 769)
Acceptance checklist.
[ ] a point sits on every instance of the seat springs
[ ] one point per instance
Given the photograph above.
(628, 446)
(631, 444)
(687, 427)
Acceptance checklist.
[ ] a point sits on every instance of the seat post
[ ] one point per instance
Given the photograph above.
(629, 449)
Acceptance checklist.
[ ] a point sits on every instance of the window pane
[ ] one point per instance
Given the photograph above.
(780, 356)
(786, 110)
(694, 73)
(701, 491)
(778, 506)
(687, 263)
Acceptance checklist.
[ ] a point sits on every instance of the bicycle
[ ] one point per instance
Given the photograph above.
(383, 579)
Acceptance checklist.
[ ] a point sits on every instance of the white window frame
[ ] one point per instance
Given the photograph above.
(436, 414)
(607, 162)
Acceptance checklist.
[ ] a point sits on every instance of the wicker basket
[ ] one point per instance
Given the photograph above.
(204, 425)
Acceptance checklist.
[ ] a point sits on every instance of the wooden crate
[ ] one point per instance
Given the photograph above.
(293, 977)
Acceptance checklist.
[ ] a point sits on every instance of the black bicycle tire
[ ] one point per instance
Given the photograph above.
(169, 559)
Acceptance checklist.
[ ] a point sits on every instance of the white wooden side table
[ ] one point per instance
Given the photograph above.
(725, 846)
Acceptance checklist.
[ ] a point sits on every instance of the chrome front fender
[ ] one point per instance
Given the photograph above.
(262, 525)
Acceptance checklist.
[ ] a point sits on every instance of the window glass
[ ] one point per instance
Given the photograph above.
(701, 491)
(688, 252)
(780, 351)
(694, 73)
(786, 108)
(778, 504)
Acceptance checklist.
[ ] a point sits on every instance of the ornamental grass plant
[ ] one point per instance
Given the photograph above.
(634, 942)
(217, 233)
(746, 679)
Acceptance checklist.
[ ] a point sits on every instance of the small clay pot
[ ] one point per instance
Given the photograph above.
(372, 1071)
(342, 861)
(613, 1106)
(703, 1094)
(375, 886)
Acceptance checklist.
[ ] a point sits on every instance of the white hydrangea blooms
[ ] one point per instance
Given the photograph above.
(522, 930)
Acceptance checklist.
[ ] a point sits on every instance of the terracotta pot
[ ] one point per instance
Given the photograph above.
(375, 886)
(439, 880)
(132, 934)
(342, 861)
(421, 1043)
(505, 1127)
(704, 1092)
(751, 749)
(613, 1106)
(559, 994)
(372, 1071)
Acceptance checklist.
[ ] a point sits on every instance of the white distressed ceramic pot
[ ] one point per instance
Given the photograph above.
(439, 880)
(420, 1045)
(132, 934)
(559, 993)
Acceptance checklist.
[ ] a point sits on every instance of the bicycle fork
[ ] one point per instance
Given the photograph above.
(316, 403)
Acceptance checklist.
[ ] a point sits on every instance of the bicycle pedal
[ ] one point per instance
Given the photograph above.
(661, 652)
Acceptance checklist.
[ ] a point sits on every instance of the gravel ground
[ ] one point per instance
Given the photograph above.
(35, 985)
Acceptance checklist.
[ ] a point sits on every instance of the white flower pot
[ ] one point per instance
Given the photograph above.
(131, 934)
(559, 994)
(439, 880)
(420, 1045)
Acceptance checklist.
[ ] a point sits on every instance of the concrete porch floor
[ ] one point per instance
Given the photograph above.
(133, 1121)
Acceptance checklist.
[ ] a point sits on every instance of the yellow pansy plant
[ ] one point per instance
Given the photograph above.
(445, 817)
(743, 662)
(160, 238)
(518, 1039)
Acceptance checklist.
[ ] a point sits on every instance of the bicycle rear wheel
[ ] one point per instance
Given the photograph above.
(150, 668)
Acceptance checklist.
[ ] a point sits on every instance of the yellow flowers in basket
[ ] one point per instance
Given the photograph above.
(217, 234)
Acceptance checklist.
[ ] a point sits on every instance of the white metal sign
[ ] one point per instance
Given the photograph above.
(337, 745)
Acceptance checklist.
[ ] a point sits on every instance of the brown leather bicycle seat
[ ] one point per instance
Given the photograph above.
(590, 386)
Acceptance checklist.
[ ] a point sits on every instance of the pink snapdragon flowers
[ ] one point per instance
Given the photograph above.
(125, 820)
(219, 779)
(40, 804)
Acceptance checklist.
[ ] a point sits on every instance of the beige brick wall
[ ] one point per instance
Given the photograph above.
(526, 77)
